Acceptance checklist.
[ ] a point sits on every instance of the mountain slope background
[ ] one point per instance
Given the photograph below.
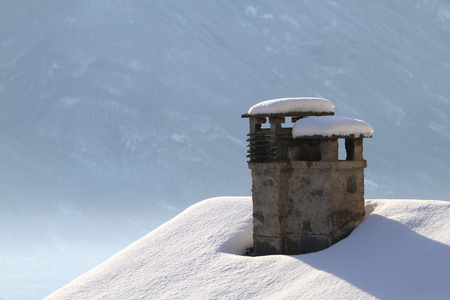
(117, 115)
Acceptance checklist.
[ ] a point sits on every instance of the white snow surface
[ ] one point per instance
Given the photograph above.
(287, 105)
(331, 126)
(400, 251)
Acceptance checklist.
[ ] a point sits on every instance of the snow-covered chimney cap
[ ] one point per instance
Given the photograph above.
(292, 107)
(331, 127)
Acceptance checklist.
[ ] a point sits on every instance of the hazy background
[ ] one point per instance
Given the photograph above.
(117, 115)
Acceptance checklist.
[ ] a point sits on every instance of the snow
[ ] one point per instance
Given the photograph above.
(328, 126)
(292, 105)
(400, 251)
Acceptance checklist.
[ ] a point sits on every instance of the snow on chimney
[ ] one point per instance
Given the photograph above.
(304, 198)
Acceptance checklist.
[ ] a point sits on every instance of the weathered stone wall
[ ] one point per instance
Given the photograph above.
(268, 189)
(348, 192)
(305, 206)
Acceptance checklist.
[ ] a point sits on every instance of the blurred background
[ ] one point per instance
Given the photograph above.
(116, 115)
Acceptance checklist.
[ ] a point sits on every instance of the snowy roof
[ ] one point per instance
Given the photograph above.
(198, 255)
(331, 126)
(292, 106)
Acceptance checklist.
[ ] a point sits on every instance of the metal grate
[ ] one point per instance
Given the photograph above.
(262, 146)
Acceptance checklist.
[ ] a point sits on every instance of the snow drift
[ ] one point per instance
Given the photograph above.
(400, 251)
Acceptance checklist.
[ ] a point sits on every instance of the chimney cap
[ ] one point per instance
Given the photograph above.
(301, 106)
(331, 127)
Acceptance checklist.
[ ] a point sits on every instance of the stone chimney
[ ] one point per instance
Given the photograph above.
(304, 198)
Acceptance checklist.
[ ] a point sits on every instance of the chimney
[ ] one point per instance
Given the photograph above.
(304, 198)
